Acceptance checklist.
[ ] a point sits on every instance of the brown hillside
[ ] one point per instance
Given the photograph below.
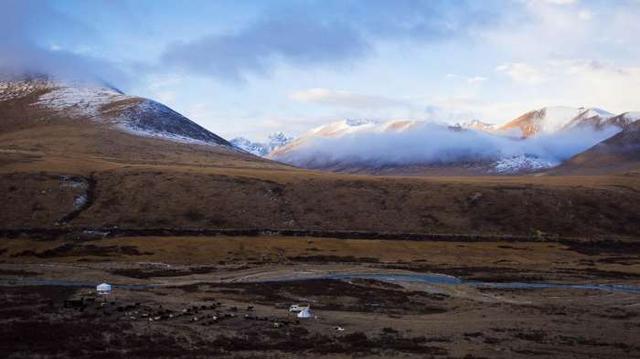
(61, 171)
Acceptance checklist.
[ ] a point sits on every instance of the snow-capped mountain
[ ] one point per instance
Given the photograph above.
(549, 120)
(399, 144)
(275, 140)
(623, 120)
(255, 148)
(108, 106)
(339, 128)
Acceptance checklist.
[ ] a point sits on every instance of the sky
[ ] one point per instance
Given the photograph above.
(250, 68)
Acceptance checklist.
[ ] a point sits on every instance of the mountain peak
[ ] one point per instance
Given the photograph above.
(275, 141)
(476, 125)
(552, 119)
(106, 105)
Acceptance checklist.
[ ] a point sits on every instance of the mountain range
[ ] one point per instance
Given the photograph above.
(539, 140)
(89, 157)
(549, 120)
(536, 141)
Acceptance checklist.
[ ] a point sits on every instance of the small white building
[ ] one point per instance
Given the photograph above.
(305, 313)
(103, 288)
(296, 308)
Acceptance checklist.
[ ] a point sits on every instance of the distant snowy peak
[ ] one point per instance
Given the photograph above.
(109, 106)
(275, 141)
(255, 148)
(593, 112)
(339, 128)
(345, 127)
(548, 120)
(544, 120)
(624, 120)
(476, 125)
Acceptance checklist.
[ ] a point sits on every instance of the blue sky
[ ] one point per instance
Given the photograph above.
(254, 67)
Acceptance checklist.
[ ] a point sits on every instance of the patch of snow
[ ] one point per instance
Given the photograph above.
(152, 119)
(82, 100)
(80, 201)
(137, 131)
(592, 112)
(522, 163)
(14, 89)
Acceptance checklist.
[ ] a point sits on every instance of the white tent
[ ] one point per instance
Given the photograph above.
(305, 313)
(103, 288)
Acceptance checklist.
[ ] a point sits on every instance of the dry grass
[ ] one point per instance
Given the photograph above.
(547, 261)
(151, 183)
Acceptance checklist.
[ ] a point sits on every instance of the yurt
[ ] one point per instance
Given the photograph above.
(305, 313)
(103, 288)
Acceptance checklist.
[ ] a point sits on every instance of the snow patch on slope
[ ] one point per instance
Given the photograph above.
(593, 112)
(522, 163)
(10, 90)
(133, 130)
(152, 119)
(81, 100)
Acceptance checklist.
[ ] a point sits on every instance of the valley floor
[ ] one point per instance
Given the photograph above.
(229, 297)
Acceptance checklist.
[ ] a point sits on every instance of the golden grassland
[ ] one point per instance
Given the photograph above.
(141, 182)
(520, 261)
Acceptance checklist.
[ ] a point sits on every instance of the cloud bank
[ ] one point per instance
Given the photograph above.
(433, 144)
(324, 32)
(24, 24)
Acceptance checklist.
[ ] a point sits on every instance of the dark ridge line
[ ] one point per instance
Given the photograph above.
(113, 232)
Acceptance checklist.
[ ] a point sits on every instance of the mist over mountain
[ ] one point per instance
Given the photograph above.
(537, 140)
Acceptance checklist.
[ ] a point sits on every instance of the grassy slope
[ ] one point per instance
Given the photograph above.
(151, 183)
(620, 153)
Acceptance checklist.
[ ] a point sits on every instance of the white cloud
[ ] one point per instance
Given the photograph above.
(587, 82)
(345, 99)
(522, 73)
(471, 80)
(426, 143)
(585, 14)
(556, 2)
